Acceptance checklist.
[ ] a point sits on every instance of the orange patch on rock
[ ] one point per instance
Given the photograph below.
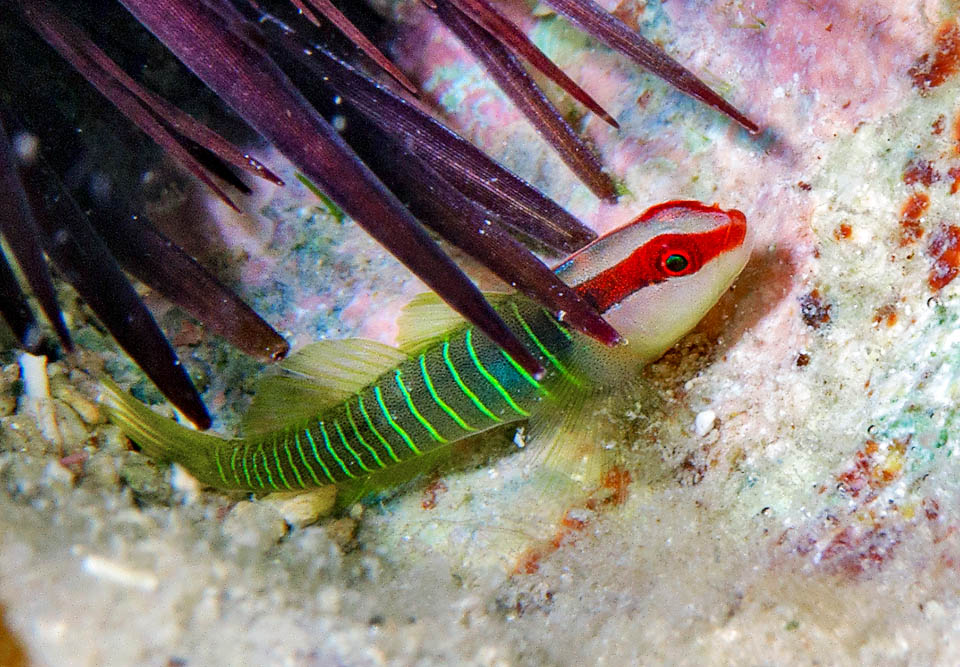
(529, 562)
(814, 309)
(855, 551)
(573, 522)
(843, 231)
(954, 173)
(886, 314)
(945, 250)
(432, 491)
(920, 171)
(613, 491)
(871, 472)
(956, 134)
(933, 69)
(910, 214)
(937, 127)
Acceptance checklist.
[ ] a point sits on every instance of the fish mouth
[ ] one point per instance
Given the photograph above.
(740, 231)
(739, 243)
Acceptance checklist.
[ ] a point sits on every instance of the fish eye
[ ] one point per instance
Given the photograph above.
(675, 263)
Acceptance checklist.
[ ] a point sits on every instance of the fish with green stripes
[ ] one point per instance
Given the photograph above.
(352, 411)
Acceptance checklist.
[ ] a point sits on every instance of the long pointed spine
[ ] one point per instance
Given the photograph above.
(616, 34)
(523, 91)
(214, 41)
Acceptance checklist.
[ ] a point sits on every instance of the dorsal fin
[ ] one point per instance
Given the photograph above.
(318, 376)
(427, 318)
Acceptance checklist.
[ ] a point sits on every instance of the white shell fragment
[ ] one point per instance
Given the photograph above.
(704, 422)
(120, 574)
(36, 399)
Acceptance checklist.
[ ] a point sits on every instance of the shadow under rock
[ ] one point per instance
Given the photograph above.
(764, 283)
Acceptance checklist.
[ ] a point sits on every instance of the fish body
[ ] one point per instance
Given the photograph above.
(653, 280)
(460, 386)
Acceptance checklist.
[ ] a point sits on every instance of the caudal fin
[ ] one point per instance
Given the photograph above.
(163, 439)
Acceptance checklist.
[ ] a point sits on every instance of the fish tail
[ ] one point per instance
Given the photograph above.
(165, 440)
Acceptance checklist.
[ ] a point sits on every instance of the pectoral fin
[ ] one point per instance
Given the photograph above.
(574, 443)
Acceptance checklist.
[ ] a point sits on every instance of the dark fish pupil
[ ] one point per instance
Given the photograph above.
(676, 263)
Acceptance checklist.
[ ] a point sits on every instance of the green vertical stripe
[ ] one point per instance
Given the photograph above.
(356, 432)
(522, 372)
(413, 409)
(266, 468)
(316, 454)
(256, 473)
(233, 462)
(276, 458)
(303, 457)
(293, 466)
(326, 443)
(383, 441)
(439, 401)
(562, 329)
(350, 449)
(393, 424)
(488, 376)
(216, 458)
(543, 348)
(243, 462)
(463, 387)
